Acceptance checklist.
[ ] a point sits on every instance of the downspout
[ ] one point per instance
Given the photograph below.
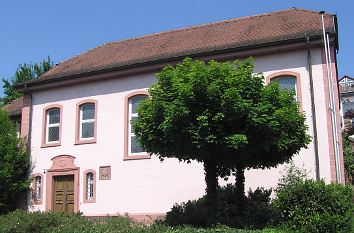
(332, 106)
(313, 110)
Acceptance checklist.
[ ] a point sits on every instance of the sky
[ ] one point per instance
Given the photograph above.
(30, 31)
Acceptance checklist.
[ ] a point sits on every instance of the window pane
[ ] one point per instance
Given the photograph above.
(288, 83)
(38, 188)
(135, 147)
(54, 116)
(53, 134)
(87, 130)
(88, 111)
(135, 103)
(89, 186)
(131, 123)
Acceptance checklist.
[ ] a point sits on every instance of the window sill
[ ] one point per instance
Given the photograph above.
(80, 142)
(136, 157)
(90, 201)
(50, 145)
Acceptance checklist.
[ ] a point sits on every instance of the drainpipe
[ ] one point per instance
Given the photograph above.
(313, 110)
(332, 106)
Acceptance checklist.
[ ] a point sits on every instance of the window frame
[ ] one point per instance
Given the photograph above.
(297, 80)
(45, 125)
(127, 133)
(34, 189)
(79, 121)
(85, 189)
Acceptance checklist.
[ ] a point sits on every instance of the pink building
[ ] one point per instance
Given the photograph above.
(77, 115)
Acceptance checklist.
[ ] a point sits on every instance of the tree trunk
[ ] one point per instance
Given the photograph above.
(211, 181)
(240, 187)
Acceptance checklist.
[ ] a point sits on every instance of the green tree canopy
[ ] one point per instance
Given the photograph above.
(14, 163)
(222, 115)
(23, 73)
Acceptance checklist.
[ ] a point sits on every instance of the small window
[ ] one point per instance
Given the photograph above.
(53, 125)
(90, 186)
(37, 189)
(86, 122)
(89, 180)
(287, 82)
(133, 145)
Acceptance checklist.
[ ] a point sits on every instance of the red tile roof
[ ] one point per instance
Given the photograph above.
(14, 108)
(234, 33)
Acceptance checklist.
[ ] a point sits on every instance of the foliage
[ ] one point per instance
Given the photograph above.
(24, 72)
(222, 115)
(257, 213)
(50, 222)
(14, 164)
(348, 158)
(313, 206)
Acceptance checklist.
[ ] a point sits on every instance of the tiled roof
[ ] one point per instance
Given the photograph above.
(15, 107)
(234, 33)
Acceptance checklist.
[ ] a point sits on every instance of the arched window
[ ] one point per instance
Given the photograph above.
(37, 189)
(86, 122)
(287, 82)
(90, 186)
(52, 118)
(132, 148)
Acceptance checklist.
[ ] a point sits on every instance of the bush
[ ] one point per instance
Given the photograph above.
(257, 211)
(313, 206)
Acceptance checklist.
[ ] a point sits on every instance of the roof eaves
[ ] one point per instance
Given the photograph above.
(193, 53)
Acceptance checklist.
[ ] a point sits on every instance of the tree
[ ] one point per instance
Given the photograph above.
(23, 73)
(222, 115)
(14, 163)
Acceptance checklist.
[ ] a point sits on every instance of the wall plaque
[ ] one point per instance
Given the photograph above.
(105, 173)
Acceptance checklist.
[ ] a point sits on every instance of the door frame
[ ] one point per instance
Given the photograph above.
(63, 165)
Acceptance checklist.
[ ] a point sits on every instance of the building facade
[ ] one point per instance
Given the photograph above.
(77, 115)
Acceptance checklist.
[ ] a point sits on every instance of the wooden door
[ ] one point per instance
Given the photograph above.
(63, 194)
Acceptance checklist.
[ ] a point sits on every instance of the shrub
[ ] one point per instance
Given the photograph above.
(257, 211)
(313, 206)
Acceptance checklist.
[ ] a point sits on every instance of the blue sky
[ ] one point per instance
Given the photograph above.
(33, 30)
